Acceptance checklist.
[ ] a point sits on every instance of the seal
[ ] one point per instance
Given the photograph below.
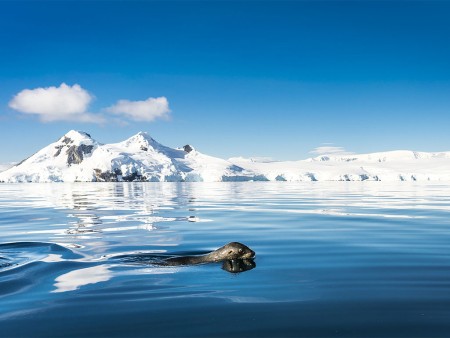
(229, 252)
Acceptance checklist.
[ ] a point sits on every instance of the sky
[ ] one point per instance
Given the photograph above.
(285, 80)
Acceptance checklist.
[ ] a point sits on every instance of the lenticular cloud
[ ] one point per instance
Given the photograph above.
(55, 103)
(330, 150)
(147, 110)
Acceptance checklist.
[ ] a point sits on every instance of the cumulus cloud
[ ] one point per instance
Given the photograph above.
(71, 103)
(147, 110)
(63, 103)
(329, 149)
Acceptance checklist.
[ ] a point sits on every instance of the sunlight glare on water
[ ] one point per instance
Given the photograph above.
(334, 259)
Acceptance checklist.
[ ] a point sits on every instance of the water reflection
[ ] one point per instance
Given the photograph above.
(238, 265)
(75, 279)
(130, 200)
(320, 246)
(86, 222)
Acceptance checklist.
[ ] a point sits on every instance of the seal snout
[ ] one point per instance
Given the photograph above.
(250, 254)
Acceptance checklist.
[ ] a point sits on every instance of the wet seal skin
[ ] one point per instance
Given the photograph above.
(229, 252)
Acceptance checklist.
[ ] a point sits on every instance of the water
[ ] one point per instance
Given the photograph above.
(344, 259)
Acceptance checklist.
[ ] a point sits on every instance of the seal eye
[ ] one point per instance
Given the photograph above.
(240, 250)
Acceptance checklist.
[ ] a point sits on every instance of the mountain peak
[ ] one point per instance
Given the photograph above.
(75, 136)
(141, 136)
(74, 146)
(142, 141)
(77, 133)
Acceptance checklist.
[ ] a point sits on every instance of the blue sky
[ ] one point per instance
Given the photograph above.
(274, 79)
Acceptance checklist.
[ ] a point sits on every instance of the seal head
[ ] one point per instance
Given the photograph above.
(228, 252)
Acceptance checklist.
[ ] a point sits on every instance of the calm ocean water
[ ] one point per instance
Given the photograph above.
(343, 259)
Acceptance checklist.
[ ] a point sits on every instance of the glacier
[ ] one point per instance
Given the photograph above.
(77, 157)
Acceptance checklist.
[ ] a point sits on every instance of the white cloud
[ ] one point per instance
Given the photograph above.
(63, 103)
(70, 103)
(147, 110)
(328, 149)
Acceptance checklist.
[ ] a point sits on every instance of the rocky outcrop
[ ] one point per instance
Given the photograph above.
(188, 148)
(75, 153)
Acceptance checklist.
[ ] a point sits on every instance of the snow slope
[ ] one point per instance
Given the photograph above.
(5, 166)
(78, 157)
(402, 165)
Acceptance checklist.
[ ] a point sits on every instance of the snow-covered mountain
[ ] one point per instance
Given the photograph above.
(78, 157)
(400, 165)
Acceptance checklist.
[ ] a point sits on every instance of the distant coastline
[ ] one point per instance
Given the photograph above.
(77, 157)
